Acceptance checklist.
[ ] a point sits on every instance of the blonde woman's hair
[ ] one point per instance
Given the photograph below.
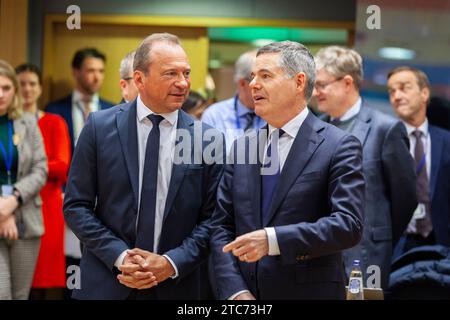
(15, 108)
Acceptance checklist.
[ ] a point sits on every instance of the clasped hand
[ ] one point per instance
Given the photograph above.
(143, 269)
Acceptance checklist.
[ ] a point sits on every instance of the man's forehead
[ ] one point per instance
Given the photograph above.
(266, 61)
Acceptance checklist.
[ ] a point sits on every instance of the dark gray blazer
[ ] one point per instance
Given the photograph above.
(390, 189)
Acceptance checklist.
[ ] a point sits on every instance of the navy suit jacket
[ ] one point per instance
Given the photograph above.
(101, 205)
(63, 107)
(390, 189)
(317, 211)
(440, 184)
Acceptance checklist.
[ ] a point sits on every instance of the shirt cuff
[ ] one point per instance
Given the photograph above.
(173, 265)
(237, 293)
(119, 260)
(274, 249)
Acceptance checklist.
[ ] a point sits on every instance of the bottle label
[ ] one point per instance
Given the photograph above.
(354, 285)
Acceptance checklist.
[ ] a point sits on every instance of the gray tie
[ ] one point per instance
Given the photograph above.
(424, 225)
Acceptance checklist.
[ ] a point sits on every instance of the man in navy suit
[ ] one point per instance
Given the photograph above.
(409, 93)
(132, 203)
(88, 67)
(284, 216)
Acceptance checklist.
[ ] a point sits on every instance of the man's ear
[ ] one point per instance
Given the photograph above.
(242, 83)
(301, 81)
(138, 79)
(122, 83)
(425, 94)
(349, 82)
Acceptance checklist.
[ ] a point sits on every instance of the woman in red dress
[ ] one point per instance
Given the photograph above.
(50, 268)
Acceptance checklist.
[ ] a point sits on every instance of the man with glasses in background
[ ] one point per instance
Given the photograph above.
(388, 167)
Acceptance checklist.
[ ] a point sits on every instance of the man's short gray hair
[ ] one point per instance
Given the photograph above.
(142, 56)
(341, 61)
(126, 65)
(243, 65)
(294, 58)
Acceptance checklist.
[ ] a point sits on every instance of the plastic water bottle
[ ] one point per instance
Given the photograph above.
(355, 284)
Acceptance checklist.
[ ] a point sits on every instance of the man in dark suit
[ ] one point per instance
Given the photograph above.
(137, 209)
(279, 229)
(409, 93)
(88, 66)
(387, 164)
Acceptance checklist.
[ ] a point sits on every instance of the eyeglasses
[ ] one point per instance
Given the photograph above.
(322, 86)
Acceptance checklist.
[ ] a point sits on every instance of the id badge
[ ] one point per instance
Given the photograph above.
(420, 212)
(7, 190)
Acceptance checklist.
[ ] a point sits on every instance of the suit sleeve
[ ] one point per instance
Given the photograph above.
(80, 200)
(195, 248)
(226, 271)
(399, 173)
(343, 228)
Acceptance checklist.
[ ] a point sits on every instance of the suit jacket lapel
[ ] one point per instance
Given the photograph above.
(362, 124)
(127, 128)
(178, 170)
(303, 147)
(436, 150)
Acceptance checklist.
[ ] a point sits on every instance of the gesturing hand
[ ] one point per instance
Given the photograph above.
(249, 247)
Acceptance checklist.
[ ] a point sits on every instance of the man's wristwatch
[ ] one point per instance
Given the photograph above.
(16, 194)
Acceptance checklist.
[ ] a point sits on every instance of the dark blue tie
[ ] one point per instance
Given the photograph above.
(269, 181)
(147, 208)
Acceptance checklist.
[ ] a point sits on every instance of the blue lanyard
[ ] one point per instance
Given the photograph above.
(8, 158)
(238, 123)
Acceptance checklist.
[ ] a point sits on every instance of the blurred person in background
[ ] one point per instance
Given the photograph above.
(387, 164)
(23, 172)
(409, 94)
(195, 104)
(236, 115)
(51, 266)
(128, 89)
(88, 70)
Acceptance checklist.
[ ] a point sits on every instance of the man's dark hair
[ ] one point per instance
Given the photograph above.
(27, 67)
(82, 54)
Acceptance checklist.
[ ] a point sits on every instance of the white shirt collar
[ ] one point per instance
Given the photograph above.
(353, 111)
(143, 111)
(423, 128)
(78, 96)
(291, 128)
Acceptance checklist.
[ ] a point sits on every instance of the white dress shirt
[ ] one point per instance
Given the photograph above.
(353, 111)
(167, 129)
(77, 112)
(284, 146)
(71, 242)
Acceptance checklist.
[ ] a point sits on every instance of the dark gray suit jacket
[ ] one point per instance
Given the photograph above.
(390, 189)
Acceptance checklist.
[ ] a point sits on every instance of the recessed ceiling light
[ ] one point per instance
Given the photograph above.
(395, 53)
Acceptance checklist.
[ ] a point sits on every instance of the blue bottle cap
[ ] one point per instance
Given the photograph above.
(356, 262)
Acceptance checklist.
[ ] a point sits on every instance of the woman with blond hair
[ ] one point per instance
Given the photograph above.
(23, 172)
